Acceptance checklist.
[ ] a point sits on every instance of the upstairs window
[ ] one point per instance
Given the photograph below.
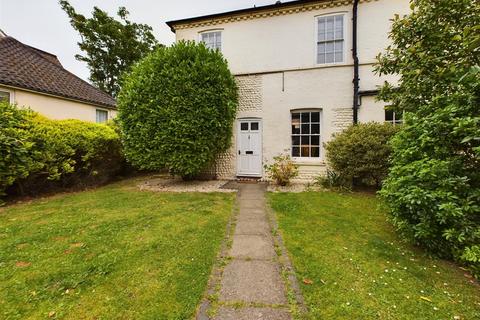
(393, 117)
(330, 39)
(102, 116)
(306, 134)
(212, 40)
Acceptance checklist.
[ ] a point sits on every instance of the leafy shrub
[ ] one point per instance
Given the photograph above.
(176, 109)
(38, 153)
(15, 145)
(433, 190)
(333, 180)
(361, 152)
(282, 170)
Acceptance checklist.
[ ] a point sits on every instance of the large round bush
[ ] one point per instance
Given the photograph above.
(176, 109)
(362, 152)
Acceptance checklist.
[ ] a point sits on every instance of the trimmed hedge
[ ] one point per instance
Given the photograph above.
(361, 152)
(39, 153)
(177, 108)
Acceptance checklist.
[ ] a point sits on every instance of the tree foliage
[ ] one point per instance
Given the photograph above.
(110, 46)
(361, 152)
(433, 189)
(176, 109)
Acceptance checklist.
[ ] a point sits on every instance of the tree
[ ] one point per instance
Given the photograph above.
(110, 46)
(433, 189)
(176, 109)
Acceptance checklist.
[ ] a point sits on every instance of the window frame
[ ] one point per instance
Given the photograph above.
(200, 37)
(343, 14)
(96, 115)
(394, 121)
(320, 136)
(11, 98)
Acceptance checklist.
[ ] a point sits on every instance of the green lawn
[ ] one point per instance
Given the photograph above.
(359, 267)
(110, 253)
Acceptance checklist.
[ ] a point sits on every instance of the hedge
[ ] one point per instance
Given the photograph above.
(37, 153)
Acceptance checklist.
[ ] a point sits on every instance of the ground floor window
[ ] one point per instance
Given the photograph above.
(393, 117)
(306, 134)
(4, 96)
(102, 116)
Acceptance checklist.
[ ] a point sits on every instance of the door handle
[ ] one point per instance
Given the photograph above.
(239, 152)
(248, 152)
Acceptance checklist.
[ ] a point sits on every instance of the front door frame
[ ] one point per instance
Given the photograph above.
(260, 132)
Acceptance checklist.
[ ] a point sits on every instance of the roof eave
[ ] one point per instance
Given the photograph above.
(56, 95)
(172, 23)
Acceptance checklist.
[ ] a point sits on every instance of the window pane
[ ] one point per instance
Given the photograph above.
(295, 152)
(330, 47)
(329, 58)
(295, 123)
(315, 152)
(315, 116)
(254, 126)
(101, 116)
(321, 29)
(244, 126)
(305, 151)
(339, 46)
(305, 141)
(305, 117)
(339, 27)
(321, 58)
(321, 48)
(4, 96)
(305, 128)
(330, 28)
(295, 140)
(389, 115)
(315, 128)
(315, 140)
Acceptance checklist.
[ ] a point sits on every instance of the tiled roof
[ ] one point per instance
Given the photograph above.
(29, 68)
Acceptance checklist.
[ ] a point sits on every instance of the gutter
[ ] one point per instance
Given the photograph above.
(44, 93)
(356, 78)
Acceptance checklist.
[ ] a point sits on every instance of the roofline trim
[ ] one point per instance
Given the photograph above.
(2, 84)
(261, 11)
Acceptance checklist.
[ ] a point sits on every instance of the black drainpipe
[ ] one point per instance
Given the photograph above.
(356, 78)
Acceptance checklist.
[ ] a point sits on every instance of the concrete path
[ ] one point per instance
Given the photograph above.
(251, 286)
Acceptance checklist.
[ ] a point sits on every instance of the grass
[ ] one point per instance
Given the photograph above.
(110, 253)
(360, 269)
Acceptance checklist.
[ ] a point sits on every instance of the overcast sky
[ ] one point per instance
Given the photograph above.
(42, 24)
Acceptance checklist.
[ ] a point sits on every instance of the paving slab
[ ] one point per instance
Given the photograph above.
(252, 281)
(228, 313)
(251, 226)
(252, 246)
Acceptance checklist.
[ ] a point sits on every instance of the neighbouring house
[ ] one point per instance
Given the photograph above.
(304, 71)
(36, 79)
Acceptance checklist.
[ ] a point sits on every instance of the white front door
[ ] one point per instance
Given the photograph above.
(249, 145)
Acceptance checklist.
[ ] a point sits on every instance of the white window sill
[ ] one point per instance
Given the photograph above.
(309, 161)
(334, 64)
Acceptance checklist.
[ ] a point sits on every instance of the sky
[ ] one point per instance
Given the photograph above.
(42, 23)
